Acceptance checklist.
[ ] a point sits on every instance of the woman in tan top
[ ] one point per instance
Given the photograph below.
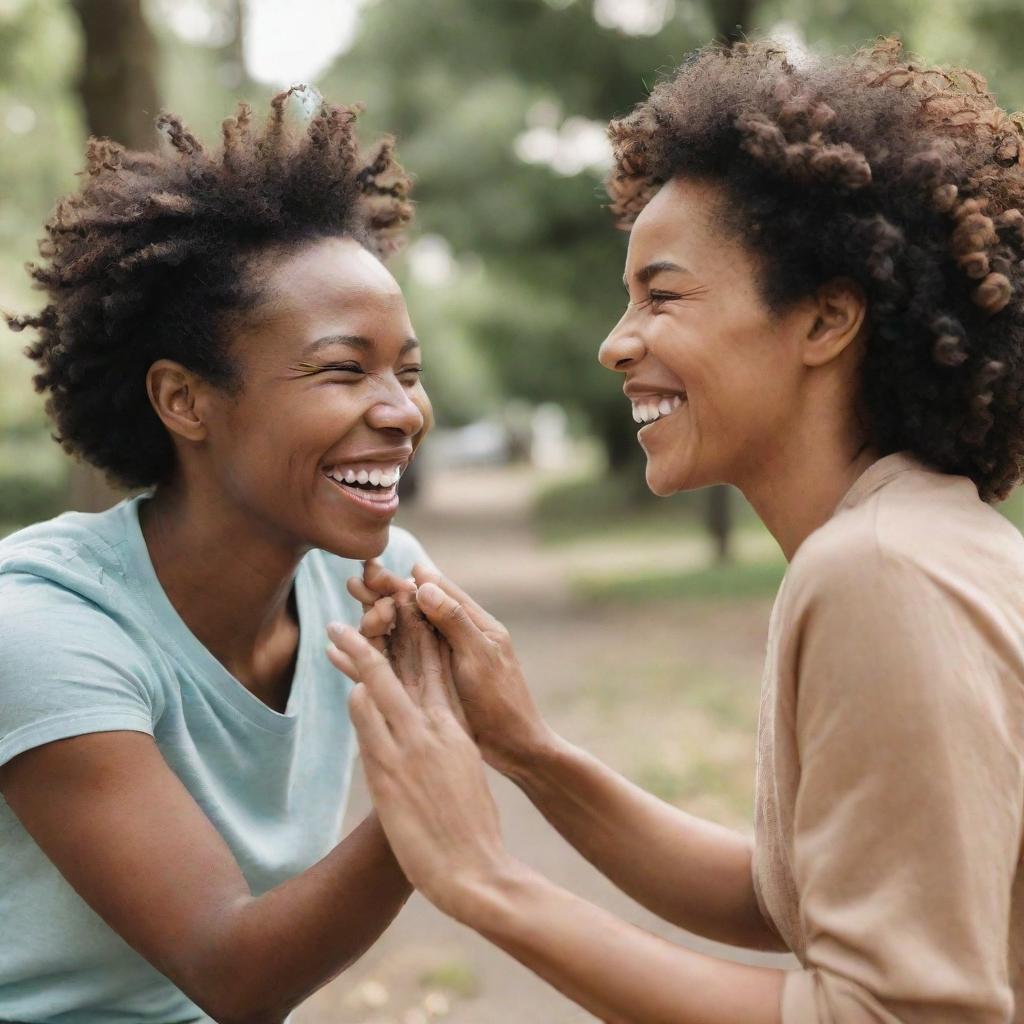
(827, 311)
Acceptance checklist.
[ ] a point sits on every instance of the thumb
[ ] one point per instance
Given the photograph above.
(447, 616)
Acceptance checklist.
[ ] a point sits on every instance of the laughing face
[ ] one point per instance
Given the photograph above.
(712, 374)
(331, 408)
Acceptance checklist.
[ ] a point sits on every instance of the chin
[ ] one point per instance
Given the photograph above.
(663, 484)
(358, 545)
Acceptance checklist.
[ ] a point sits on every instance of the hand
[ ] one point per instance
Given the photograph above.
(492, 691)
(392, 621)
(377, 591)
(424, 773)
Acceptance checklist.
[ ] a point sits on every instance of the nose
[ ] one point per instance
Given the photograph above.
(396, 411)
(622, 348)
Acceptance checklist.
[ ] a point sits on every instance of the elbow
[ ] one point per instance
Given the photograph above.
(228, 1009)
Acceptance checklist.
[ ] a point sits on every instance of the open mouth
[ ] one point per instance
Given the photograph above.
(372, 488)
(650, 410)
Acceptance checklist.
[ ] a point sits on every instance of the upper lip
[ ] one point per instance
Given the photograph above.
(382, 456)
(637, 391)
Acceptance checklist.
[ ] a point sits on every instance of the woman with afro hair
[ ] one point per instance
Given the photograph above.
(175, 746)
(826, 310)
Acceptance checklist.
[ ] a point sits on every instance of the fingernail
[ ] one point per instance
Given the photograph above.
(336, 630)
(430, 596)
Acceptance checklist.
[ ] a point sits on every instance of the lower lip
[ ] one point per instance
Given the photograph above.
(661, 419)
(383, 507)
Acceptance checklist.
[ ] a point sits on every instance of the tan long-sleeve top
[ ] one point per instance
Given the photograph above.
(890, 783)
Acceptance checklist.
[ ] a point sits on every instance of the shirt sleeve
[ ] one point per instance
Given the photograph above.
(66, 668)
(907, 822)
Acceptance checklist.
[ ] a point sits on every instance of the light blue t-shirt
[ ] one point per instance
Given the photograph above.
(89, 642)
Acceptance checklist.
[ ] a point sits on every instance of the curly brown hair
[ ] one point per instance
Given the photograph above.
(905, 178)
(148, 261)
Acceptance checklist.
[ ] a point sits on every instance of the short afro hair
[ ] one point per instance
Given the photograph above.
(905, 178)
(147, 261)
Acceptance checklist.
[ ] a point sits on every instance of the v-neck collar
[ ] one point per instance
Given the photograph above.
(176, 633)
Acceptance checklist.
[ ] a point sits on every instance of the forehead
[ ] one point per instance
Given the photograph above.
(324, 288)
(325, 277)
(678, 218)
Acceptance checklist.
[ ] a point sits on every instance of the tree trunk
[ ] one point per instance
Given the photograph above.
(117, 83)
(719, 520)
(733, 20)
(118, 89)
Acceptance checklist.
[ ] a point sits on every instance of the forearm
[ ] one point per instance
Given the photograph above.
(280, 947)
(691, 872)
(616, 971)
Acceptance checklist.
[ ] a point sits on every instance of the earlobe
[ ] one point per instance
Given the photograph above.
(173, 392)
(840, 313)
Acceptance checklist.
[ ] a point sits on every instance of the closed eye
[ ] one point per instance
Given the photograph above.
(658, 298)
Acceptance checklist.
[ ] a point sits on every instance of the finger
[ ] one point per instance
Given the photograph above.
(449, 684)
(405, 654)
(372, 669)
(449, 617)
(384, 582)
(434, 690)
(361, 592)
(375, 740)
(379, 620)
(341, 661)
(427, 574)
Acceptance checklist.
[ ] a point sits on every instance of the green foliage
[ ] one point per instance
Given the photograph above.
(537, 263)
(474, 78)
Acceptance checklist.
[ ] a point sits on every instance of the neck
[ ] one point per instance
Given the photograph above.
(229, 579)
(796, 490)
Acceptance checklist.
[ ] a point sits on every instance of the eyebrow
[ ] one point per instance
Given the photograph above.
(354, 341)
(653, 269)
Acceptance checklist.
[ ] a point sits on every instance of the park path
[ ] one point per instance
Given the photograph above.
(475, 524)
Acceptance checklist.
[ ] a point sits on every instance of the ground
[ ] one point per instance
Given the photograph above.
(664, 690)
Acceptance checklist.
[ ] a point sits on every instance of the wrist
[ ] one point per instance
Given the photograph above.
(529, 753)
(482, 900)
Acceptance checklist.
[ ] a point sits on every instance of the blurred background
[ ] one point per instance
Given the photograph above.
(641, 621)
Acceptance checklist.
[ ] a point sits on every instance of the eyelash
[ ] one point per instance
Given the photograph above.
(356, 368)
(657, 299)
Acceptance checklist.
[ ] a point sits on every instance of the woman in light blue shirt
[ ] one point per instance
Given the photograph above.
(175, 748)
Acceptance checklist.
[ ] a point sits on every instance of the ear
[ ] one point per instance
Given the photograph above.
(840, 309)
(176, 395)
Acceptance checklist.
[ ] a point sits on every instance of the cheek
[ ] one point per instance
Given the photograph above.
(422, 402)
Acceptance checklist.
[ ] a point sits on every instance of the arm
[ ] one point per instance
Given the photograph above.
(127, 835)
(615, 970)
(426, 777)
(691, 872)
(687, 870)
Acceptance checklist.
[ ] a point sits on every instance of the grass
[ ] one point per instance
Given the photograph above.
(620, 505)
(455, 976)
(681, 729)
(729, 581)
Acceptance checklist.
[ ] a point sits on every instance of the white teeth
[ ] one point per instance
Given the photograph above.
(375, 477)
(649, 411)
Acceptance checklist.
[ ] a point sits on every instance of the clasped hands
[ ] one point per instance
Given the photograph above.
(438, 692)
